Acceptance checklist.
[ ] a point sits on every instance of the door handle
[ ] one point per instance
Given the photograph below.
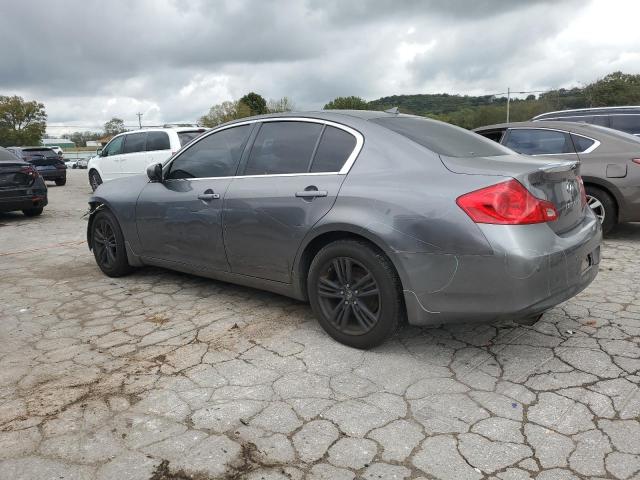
(311, 193)
(209, 196)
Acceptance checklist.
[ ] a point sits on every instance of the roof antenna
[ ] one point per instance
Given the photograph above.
(393, 110)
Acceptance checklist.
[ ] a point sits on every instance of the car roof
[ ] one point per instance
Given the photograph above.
(164, 129)
(596, 110)
(33, 148)
(7, 156)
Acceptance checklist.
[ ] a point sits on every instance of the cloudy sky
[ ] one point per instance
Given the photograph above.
(90, 60)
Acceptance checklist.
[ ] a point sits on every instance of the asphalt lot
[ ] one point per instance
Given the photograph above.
(161, 375)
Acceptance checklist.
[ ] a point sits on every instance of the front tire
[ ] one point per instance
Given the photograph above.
(32, 212)
(107, 243)
(354, 292)
(603, 206)
(94, 180)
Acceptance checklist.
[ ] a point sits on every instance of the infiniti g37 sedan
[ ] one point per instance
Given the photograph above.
(373, 217)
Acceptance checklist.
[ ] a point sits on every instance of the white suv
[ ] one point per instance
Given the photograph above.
(130, 153)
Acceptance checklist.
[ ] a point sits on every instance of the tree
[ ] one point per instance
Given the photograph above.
(81, 138)
(256, 103)
(224, 112)
(282, 105)
(114, 127)
(21, 122)
(347, 103)
(617, 88)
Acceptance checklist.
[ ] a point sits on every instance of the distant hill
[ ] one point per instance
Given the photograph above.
(431, 104)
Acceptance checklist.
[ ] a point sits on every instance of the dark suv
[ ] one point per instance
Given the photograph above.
(46, 161)
(626, 119)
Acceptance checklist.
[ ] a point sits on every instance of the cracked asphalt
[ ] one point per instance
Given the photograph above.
(161, 376)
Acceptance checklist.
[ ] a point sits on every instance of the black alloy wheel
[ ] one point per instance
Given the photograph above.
(107, 243)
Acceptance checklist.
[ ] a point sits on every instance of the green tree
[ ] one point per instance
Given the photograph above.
(617, 88)
(256, 103)
(224, 112)
(282, 105)
(347, 103)
(114, 127)
(21, 122)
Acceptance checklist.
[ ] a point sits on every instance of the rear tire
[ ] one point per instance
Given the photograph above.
(61, 181)
(604, 207)
(107, 243)
(354, 292)
(32, 212)
(94, 180)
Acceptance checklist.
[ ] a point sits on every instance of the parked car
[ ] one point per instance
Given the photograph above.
(625, 119)
(73, 164)
(58, 150)
(130, 153)
(46, 161)
(21, 186)
(368, 215)
(83, 162)
(610, 161)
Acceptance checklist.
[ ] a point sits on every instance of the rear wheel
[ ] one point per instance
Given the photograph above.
(355, 293)
(107, 243)
(603, 206)
(61, 181)
(32, 212)
(94, 179)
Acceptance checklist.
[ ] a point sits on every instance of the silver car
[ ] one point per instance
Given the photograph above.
(373, 217)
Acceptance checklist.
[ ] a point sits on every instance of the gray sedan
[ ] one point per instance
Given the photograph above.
(373, 217)
(610, 161)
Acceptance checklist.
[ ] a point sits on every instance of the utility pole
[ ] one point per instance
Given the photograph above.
(140, 118)
(508, 102)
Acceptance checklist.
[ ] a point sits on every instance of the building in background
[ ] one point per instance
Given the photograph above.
(60, 142)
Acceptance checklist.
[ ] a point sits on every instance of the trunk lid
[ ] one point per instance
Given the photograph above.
(556, 182)
(12, 176)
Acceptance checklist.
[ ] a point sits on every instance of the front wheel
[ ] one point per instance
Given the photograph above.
(603, 206)
(107, 243)
(354, 292)
(94, 180)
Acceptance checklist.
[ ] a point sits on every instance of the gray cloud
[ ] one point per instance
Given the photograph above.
(88, 60)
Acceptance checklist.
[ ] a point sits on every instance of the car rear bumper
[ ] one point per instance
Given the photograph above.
(532, 269)
(57, 174)
(11, 204)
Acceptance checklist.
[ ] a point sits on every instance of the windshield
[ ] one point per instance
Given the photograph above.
(443, 138)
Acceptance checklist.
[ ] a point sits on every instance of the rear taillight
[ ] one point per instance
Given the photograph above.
(32, 172)
(60, 166)
(507, 203)
(636, 160)
(583, 192)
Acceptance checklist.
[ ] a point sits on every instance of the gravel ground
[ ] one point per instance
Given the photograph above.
(161, 375)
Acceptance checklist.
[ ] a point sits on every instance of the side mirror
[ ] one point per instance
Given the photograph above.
(99, 152)
(154, 172)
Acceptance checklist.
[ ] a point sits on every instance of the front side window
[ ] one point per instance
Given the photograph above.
(538, 142)
(114, 147)
(333, 150)
(134, 142)
(582, 143)
(626, 123)
(158, 141)
(283, 147)
(217, 155)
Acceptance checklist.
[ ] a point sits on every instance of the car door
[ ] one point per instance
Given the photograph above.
(133, 160)
(540, 142)
(180, 219)
(110, 159)
(290, 180)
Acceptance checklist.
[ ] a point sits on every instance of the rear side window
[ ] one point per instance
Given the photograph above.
(217, 155)
(582, 143)
(333, 150)
(442, 138)
(626, 123)
(158, 141)
(134, 142)
(283, 147)
(538, 141)
(186, 137)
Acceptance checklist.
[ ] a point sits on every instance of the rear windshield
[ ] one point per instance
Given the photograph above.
(45, 152)
(186, 137)
(443, 138)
